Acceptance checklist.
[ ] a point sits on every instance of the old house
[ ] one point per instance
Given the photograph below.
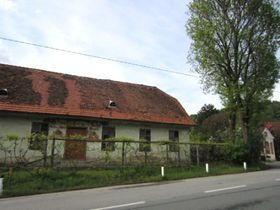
(271, 133)
(37, 101)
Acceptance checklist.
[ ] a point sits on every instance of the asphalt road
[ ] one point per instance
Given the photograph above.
(257, 190)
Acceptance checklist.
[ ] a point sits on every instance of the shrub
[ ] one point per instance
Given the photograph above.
(238, 152)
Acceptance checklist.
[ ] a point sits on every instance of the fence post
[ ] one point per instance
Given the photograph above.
(207, 168)
(167, 155)
(1, 185)
(146, 157)
(162, 171)
(123, 153)
(179, 155)
(52, 152)
(245, 166)
(45, 152)
(197, 154)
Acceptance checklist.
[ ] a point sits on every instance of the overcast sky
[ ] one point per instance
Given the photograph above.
(148, 32)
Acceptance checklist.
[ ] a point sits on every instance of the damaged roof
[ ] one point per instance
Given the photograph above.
(273, 127)
(37, 91)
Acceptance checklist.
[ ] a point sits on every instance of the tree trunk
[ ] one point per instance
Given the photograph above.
(232, 125)
(244, 123)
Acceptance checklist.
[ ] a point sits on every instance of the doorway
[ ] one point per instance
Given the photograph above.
(75, 150)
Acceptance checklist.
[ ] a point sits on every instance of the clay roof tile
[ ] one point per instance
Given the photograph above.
(38, 91)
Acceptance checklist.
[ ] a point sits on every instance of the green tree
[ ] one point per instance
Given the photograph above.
(234, 50)
(200, 132)
(206, 111)
(216, 126)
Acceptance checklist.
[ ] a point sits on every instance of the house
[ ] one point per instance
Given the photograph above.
(271, 133)
(38, 101)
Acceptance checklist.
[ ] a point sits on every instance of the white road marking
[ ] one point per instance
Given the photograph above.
(227, 188)
(277, 180)
(121, 205)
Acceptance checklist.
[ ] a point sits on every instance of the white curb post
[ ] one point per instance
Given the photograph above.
(1, 185)
(245, 166)
(207, 168)
(162, 171)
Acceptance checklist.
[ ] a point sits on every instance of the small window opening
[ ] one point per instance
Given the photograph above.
(4, 92)
(112, 104)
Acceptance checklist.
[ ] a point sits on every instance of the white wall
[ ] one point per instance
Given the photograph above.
(269, 139)
(16, 126)
(21, 126)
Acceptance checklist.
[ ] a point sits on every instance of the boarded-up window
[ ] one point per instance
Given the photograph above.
(39, 133)
(174, 140)
(108, 132)
(145, 135)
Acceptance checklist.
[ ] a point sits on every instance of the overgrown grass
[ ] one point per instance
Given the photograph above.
(44, 180)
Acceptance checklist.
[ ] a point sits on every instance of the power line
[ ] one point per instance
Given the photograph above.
(101, 57)
(98, 57)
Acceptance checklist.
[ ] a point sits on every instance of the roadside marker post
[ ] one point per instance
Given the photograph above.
(245, 166)
(1, 185)
(162, 171)
(207, 168)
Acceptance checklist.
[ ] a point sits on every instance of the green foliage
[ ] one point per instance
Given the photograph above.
(120, 139)
(205, 112)
(238, 152)
(216, 126)
(212, 124)
(12, 137)
(234, 49)
(77, 137)
(43, 180)
(13, 150)
(266, 111)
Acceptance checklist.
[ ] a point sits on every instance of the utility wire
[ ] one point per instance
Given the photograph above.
(99, 57)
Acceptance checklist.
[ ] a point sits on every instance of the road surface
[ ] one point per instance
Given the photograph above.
(256, 190)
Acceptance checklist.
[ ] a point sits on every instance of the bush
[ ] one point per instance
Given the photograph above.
(238, 152)
(250, 152)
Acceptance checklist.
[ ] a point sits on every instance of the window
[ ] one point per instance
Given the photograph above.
(271, 148)
(145, 135)
(174, 139)
(3, 92)
(267, 149)
(108, 132)
(39, 133)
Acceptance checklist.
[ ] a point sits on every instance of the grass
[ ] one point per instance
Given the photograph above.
(45, 180)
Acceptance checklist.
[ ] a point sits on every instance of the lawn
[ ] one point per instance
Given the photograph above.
(45, 180)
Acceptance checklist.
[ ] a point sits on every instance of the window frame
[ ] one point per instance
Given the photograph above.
(145, 135)
(110, 133)
(36, 142)
(174, 140)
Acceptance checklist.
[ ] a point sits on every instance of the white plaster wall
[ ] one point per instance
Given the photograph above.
(270, 139)
(131, 131)
(14, 126)
(21, 127)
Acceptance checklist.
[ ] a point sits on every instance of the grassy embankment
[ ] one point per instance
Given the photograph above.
(45, 180)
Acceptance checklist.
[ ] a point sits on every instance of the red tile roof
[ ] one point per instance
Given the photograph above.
(38, 91)
(273, 127)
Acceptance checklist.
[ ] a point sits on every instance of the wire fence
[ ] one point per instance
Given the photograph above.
(25, 152)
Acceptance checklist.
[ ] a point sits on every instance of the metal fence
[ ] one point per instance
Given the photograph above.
(23, 152)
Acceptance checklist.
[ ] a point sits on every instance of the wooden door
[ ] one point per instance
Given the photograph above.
(75, 150)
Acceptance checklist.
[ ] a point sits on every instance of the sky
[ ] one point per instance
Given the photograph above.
(147, 32)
